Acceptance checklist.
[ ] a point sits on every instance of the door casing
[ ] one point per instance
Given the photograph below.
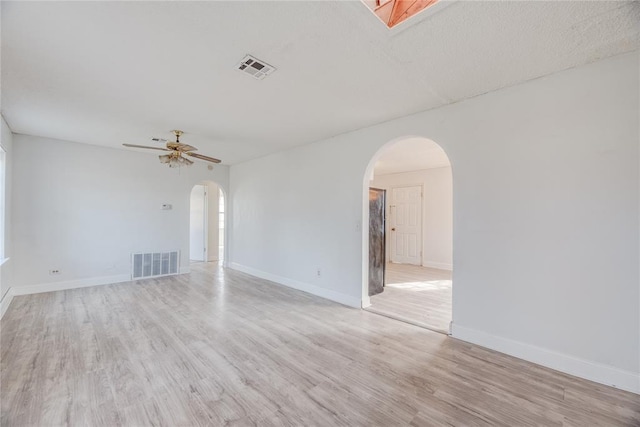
(198, 223)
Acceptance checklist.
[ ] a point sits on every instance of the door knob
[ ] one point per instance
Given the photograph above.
(393, 229)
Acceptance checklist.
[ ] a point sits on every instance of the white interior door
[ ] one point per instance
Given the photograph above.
(198, 224)
(406, 225)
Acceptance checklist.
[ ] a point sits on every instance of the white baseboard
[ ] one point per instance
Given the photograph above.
(70, 284)
(81, 283)
(6, 301)
(366, 302)
(301, 286)
(597, 372)
(438, 265)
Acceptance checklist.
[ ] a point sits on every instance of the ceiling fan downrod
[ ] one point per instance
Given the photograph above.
(177, 133)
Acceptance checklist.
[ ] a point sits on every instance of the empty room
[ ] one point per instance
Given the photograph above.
(320, 213)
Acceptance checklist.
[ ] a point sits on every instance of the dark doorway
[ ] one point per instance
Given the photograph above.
(376, 240)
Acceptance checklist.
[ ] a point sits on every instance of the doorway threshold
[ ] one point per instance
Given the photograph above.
(419, 324)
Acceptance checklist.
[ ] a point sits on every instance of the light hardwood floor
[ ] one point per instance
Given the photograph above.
(218, 347)
(417, 295)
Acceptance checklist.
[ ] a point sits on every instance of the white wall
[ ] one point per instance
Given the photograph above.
(437, 211)
(6, 269)
(546, 212)
(84, 209)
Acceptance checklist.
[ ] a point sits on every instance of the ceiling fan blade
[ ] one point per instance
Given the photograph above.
(145, 146)
(201, 157)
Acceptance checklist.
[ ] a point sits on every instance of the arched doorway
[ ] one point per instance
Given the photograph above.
(207, 223)
(407, 233)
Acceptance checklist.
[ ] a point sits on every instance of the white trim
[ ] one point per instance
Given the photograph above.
(70, 284)
(301, 286)
(438, 265)
(83, 283)
(418, 17)
(366, 301)
(412, 20)
(600, 373)
(6, 301)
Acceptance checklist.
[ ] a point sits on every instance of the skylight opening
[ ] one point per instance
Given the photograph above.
(393, 12)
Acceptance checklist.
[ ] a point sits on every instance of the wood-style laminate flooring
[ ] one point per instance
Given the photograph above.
(219, 347)
(417, 295)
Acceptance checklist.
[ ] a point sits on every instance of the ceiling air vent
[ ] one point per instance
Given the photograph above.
(256, 68)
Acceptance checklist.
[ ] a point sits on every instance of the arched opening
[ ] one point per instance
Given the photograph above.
(408, 232)
(207, 223)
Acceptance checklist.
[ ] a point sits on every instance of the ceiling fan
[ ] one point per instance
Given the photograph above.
(177, 151)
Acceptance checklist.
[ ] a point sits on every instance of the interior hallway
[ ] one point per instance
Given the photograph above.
(417, 295)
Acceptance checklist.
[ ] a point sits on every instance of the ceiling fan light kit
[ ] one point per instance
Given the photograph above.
(174, 161)
(177, 151)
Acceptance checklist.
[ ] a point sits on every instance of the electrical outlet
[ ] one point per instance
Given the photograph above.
(54, 272)
(318, 272)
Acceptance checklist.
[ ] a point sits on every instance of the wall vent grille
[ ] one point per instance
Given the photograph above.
(154, 264)
(255, 67)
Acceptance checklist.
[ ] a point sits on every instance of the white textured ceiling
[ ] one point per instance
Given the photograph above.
(111, 72)
(411, 154)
